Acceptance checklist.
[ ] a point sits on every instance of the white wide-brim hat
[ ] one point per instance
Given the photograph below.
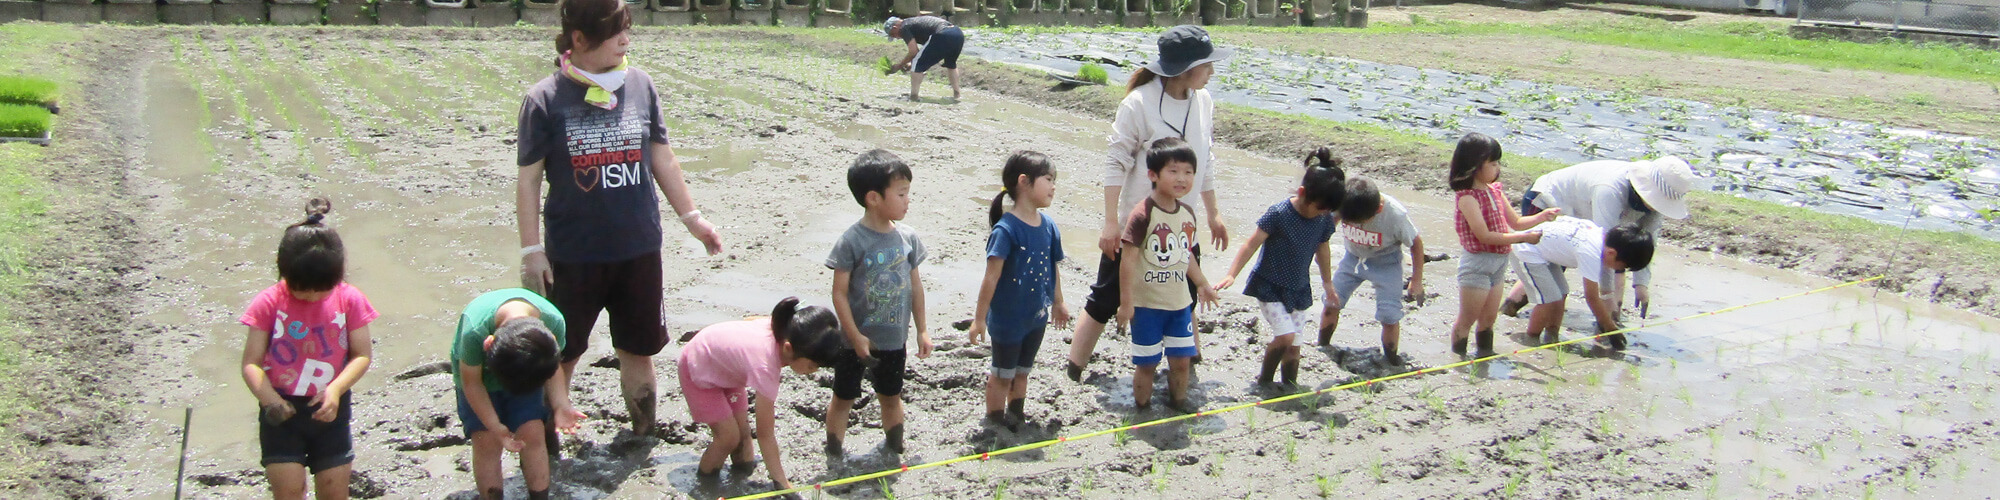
(1664, 184)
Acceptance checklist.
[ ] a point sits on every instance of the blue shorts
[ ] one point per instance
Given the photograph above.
(943, 47)
(1158, 332)
(514, 410)
(1385, 271)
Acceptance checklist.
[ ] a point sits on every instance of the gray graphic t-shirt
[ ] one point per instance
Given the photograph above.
(602, 206)
(878, 288)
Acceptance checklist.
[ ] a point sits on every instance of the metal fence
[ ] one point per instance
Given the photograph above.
(1970, 17)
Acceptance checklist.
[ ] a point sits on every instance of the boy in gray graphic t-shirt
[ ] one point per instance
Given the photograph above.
(877, 293)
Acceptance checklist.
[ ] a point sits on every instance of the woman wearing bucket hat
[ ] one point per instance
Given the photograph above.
(933, 41)
(1610, 192)
(1165, 98)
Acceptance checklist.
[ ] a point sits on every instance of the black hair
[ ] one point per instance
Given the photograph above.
(310, 256)
(873, 172)
(1474, 150)
(597, 20)
(1029, 163)
(1325, 182)
(1363, 201)
(523, 355)
(813, 331)
(1169, 150)
(1634, 245)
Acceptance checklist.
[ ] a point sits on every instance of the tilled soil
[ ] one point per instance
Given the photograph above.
(1830, 395)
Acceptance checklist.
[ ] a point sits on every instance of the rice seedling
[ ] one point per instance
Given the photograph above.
(21, 89)
(1163, 468)
(1215, 464)
(1000, 491)
(1120, 435)
(1604, 423)
(1292, 450)
(1092, 73)
(1325, 485)
(1377, 470)
(1459, 462)
(1330, 430)
(885, 66)
(24, 120)
(1513, 485)
(882, 483)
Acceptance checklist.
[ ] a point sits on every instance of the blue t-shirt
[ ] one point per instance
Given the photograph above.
(1027, 280)
(1283, 270)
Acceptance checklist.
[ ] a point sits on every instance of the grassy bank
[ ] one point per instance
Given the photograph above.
(23, 207)
(1791, 237)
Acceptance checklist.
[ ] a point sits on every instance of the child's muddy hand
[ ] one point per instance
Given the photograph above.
(973, 334)
(1641, 299)
(326, 404)
(1415, 294)
(568, 420)
(1061, 315)
(278, 412)
(1125, 315)
(862, 347)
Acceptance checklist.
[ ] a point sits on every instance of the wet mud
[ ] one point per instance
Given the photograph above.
(1829, 395)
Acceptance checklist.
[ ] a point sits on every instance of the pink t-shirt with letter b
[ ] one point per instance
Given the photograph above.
(308, 339)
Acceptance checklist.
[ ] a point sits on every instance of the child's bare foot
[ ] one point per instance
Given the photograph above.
(895, 439)
(1075, 373)
(833, 447)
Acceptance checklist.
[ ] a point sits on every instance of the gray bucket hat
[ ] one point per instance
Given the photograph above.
(1183, 47)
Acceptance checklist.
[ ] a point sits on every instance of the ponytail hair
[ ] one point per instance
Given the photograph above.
(310, 255)
(1029, 163)
(1140, 77)
(813, 331)
(1325, 182)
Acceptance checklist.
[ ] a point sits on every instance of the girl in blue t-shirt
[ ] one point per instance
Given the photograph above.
(1293, 234)
(1021, 290)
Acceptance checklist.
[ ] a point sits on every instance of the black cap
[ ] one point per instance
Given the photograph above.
(1183, 47)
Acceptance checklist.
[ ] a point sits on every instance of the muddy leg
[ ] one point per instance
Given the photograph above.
(331, 484)
(745, 457)
(534, 455)
(952, 73)
(1517, 298)
(1142, 385)
(288, 481)
(1289, 371)
(1329, 321)
(486, 476)
(635, 379)
(996, 392)
(1392, 335)
(892, 421)
(727, 436)
(836, 424)
(1272, 356)
(1081, 344)
(916, 84)
(1469, 302)
(1178, 370)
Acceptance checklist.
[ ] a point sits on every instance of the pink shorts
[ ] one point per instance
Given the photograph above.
(708, 405)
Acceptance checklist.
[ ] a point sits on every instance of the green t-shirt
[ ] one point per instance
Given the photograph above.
(476, 323)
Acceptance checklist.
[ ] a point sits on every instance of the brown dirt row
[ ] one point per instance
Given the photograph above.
(1934, 272)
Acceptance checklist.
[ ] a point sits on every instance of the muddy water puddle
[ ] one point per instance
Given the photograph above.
(1877, 172)
(1834, 364)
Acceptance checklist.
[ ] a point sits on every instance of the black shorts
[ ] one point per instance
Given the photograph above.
(629, 291)
(942, 47)
(301, 440)
(1102, 303)
(886, 376)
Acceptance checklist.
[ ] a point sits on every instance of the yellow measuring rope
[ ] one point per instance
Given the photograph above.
(1338, 388)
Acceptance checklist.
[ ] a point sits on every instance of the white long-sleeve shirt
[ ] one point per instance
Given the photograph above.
(1147, 115)
(1601, 192)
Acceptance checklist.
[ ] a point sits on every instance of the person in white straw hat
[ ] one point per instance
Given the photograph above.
(1611, 192)
(1165, 98)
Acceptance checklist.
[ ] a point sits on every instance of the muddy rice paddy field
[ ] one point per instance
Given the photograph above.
(212, 139)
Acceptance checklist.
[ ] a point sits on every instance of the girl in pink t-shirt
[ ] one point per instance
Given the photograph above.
(308, 344)
(725, 359)
(1486, 226)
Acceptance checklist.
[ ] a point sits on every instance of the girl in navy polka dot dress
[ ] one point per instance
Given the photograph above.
(1021, 291)
(1293, 234)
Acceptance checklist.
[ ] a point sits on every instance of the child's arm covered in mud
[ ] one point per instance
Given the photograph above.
(474, 386)
(274, 406)
(1600, 307)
